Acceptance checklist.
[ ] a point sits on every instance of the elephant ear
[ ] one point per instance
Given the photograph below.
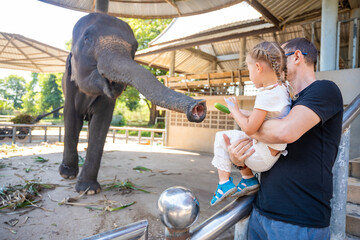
(67, 73)
(72, 66)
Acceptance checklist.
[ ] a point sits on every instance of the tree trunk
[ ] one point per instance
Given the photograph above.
(153, 114)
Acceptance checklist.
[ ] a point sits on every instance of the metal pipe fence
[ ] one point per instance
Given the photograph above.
(21, 131)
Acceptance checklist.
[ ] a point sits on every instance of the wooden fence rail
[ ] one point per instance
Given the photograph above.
(9, 130)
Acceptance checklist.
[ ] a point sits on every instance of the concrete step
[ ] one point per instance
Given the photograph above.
(354, 167)
(353, 194)
(353, 219)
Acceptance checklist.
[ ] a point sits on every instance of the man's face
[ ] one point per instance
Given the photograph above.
(289, 63)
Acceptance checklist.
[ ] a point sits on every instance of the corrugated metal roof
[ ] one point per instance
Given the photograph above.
(228, 49)
(184, 26)
(148, 8)
(21, 53)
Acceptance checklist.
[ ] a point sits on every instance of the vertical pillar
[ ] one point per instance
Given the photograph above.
(167, 113)
(354, 32)
(340, 179)
(172, 64)
(329, 13)
(102, 6)
(242, 53)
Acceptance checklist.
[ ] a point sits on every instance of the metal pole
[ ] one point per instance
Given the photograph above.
(59, 134)
(14, 135)
(338, 46)
(340, 180)
(102, 6)
(329, 12)
(113, 135)
(30, 135)
(45, 135)
(136, 230)
(224, 219)
(354, 46)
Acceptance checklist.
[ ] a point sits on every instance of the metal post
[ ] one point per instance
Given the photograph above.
(59, 134)
(45, 135)
(329, 14)
(14, 135)
(179, 209)
(340, 180)
(337, 64)
(113, 135)
(30, 135)
(354, 45)
(126, 136)
(102, 6)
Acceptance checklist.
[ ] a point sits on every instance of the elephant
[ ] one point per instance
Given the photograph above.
(98, 69)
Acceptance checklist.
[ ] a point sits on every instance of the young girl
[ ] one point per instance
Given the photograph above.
(267, 70)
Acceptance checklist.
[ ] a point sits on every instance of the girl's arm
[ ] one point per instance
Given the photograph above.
(251, 124)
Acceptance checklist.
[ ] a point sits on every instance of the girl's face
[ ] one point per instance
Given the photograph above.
(254, 71)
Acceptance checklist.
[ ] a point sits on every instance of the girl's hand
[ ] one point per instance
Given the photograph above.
(232, 104)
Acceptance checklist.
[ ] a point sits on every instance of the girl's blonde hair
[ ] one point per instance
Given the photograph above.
(274, 55)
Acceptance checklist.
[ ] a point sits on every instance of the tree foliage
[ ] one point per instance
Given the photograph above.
(145, 30)
(51, 96)
(12, 89)
(29, 99)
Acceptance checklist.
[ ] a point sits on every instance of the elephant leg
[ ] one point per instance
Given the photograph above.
(69, 167)
(99, 126)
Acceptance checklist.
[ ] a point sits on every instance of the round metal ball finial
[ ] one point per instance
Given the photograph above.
(178, 208)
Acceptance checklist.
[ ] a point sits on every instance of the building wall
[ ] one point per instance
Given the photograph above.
(348, 81)
(200, 136)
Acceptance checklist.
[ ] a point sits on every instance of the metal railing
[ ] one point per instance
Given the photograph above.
(341, 173)
(241, 207)
(25, 130)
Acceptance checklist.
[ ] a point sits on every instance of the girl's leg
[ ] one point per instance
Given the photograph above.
(246, 173)
(223, 176)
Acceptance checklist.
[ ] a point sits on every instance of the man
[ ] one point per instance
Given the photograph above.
(294, 198)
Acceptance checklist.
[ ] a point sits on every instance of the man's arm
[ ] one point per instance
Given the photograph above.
(289, 129)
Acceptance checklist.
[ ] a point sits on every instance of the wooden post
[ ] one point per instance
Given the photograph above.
(242, 53)
(152, 138)
(113, 135)
(102, 6)
(139, 136)
(126, 136)
(172, 64)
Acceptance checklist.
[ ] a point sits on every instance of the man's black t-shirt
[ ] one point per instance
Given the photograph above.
(298, 188)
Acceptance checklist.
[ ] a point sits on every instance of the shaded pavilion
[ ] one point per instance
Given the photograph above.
(22, 53)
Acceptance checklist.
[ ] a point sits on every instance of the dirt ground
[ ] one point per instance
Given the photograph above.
(170, 167)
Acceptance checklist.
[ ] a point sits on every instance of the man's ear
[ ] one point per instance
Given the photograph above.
(298, 56)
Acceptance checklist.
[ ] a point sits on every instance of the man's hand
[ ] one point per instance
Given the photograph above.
(237, 150)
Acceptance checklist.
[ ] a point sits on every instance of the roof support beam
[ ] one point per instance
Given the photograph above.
(19, 49)
(206, 41)
(268, 15)
(202, 54)
(172, 3)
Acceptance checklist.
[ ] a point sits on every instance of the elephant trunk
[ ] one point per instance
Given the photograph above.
(124, 70)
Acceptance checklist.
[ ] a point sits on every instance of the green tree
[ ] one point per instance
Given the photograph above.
(13, 88)
(145, 30)
(29, 100)
(50, 96)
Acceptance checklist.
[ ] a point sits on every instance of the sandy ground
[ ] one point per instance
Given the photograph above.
(170, 167)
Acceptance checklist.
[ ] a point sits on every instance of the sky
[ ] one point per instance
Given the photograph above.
(37, 20)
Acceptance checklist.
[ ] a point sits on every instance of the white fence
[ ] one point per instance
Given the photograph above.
(21, 131)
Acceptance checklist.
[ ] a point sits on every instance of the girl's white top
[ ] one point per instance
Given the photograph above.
(276, 101)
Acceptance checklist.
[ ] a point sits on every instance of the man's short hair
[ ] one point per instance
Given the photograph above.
(305, 46)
